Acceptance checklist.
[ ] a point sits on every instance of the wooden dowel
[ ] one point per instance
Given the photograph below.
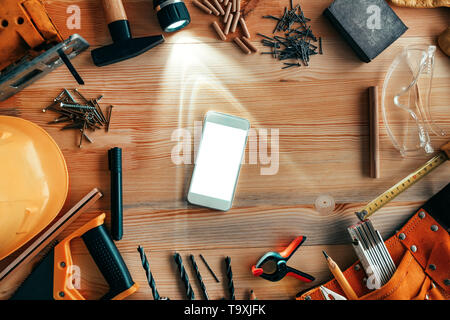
(218, 7)
(374, 133)
(211, 7)
(242, 45)
(249, 44)
(227, 12)
(228, 25)
(225, 2)
(234, 6)
(235, 21)
(219, 31)
(238, 5)
(202, 7)
(244, 27)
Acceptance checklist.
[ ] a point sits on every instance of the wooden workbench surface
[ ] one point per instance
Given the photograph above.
(321, 112)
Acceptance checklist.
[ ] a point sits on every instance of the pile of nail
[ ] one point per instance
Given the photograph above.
(232, 16)
(296, 42)
(83, 116)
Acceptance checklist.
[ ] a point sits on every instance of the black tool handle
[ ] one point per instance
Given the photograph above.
(108, 260)
(117, 20)
(115, 167)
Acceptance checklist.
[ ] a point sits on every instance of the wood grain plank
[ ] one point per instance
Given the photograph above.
(320, 112)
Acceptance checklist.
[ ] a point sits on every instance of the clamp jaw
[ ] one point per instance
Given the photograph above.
(280, 260)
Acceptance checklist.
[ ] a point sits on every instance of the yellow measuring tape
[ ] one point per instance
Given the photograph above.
(405, 183)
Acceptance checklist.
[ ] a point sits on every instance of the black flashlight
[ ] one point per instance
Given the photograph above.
(172, 14)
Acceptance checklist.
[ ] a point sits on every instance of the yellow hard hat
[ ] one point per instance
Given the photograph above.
(34, 182)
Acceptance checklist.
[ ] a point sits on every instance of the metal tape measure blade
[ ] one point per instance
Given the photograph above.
(401, 186)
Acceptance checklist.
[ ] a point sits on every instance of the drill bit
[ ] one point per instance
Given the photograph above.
(184, 276)
(148, 273)
(230, 278)
(199, 277)
(209, 268)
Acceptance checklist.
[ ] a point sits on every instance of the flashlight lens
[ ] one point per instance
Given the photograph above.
(176, 25)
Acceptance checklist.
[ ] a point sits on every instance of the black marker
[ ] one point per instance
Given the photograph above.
(115, 166)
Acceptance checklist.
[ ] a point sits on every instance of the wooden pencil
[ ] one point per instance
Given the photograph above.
(340, 278)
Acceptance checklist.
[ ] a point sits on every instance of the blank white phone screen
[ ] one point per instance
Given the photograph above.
(218, 161)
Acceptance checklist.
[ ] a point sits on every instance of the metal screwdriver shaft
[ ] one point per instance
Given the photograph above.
(183, 274)
(148, 273)
(199, 277)
(230, 278)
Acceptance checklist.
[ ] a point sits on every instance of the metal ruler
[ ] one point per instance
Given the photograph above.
(404, 184)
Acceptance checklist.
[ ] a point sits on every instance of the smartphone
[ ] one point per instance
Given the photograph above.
(218, 162)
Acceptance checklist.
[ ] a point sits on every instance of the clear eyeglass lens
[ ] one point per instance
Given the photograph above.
(414, 96)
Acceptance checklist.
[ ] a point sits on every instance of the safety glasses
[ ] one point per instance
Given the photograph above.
(410, 100)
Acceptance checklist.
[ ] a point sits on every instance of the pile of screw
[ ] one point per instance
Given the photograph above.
(296, 43)
(83, 116)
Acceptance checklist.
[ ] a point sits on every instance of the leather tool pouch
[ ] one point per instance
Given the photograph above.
(421, 252)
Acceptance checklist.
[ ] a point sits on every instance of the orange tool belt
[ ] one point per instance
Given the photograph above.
(25, 29)
(421, 252)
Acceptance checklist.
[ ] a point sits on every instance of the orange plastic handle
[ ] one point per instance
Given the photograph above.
(293, 246)
(63, 288)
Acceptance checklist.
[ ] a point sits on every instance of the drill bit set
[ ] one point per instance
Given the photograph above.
(83, 116)
(296, 44)
(185, 277)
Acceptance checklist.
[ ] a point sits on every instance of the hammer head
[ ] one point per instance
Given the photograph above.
(124, 49)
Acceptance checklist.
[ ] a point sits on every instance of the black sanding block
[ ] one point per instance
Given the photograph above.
(369, 26)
